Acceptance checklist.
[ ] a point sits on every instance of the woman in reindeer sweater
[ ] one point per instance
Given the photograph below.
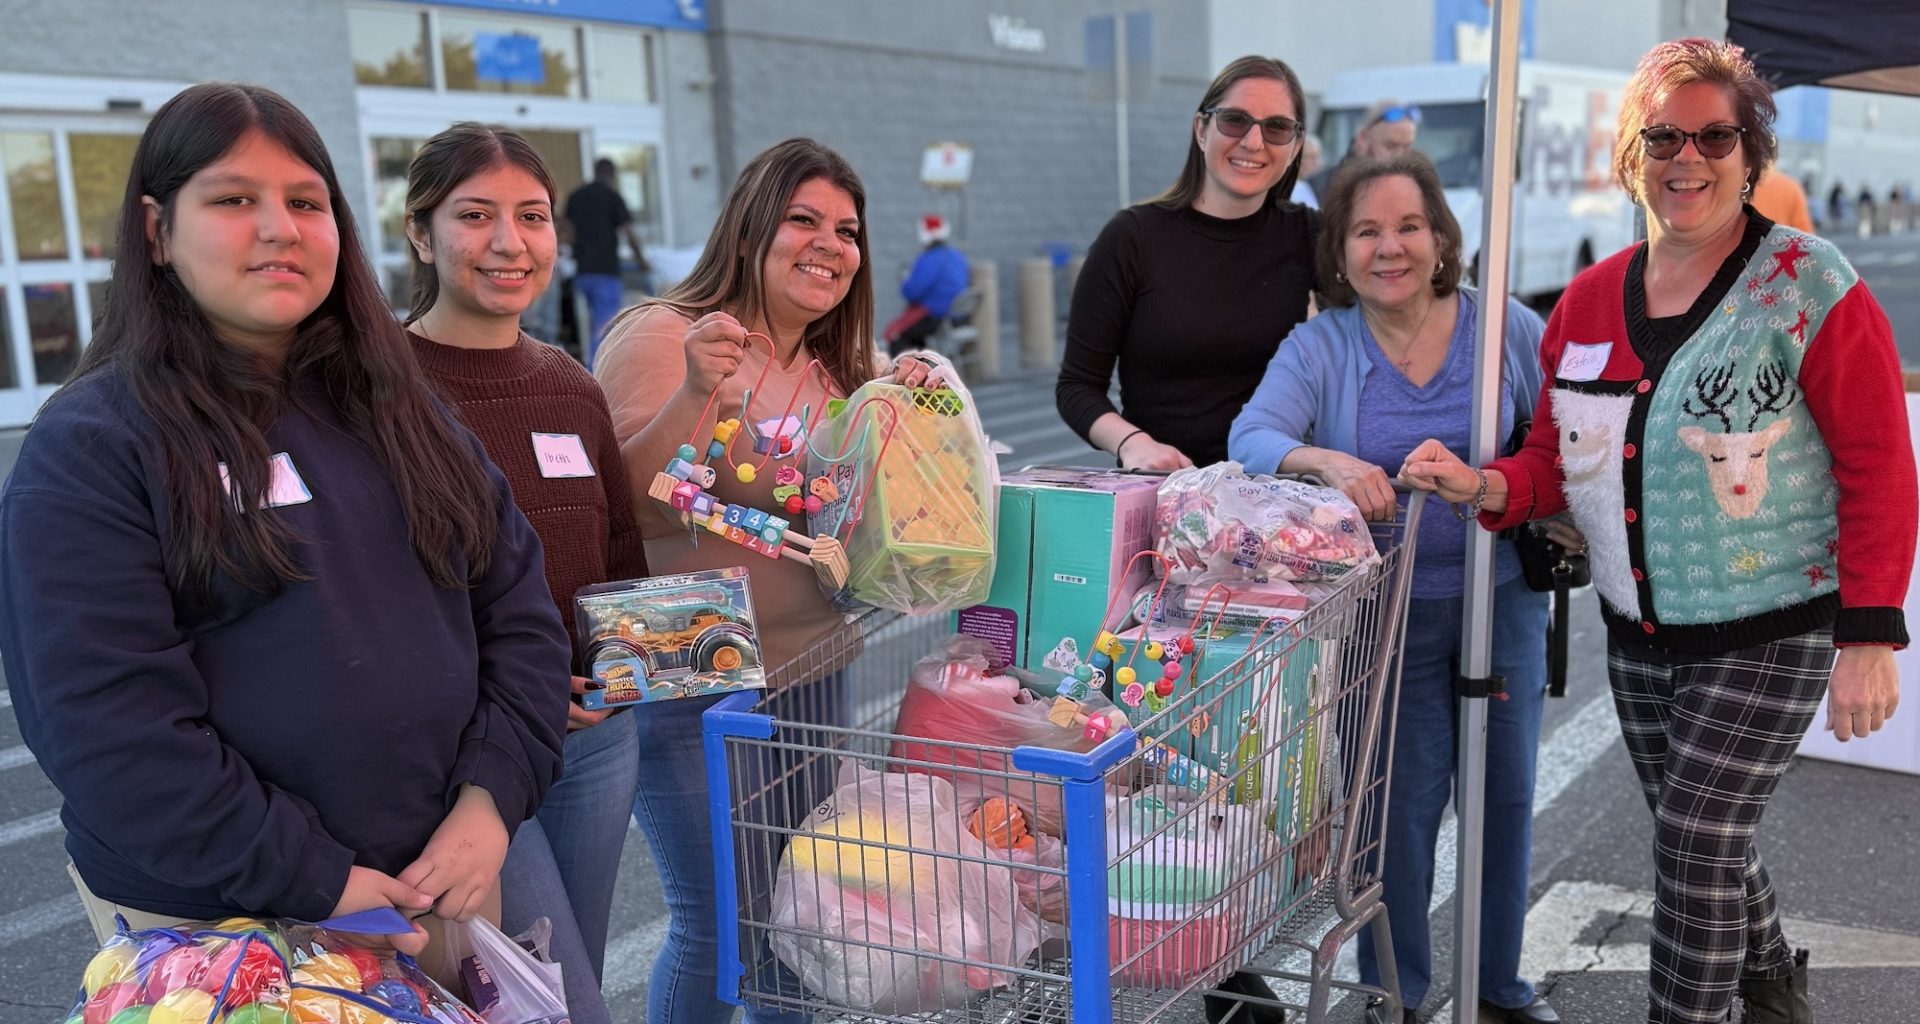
(1724, 417)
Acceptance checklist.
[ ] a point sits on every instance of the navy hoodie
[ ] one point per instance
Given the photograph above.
(240, 754)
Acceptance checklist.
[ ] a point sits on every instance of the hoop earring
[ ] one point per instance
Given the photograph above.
(1746, 191)
(1438, 269)
(1340, 276)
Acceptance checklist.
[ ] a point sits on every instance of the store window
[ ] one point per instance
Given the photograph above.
(100, 165)
(33, 186)
(53, 330)
(622, 65)
(391, 155)
(9, 377)
(389, 47)
(502, 55)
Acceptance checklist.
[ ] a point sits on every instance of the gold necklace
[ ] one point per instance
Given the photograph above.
(1405, 361)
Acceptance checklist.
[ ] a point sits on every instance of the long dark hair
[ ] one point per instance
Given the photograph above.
(465, 149)
(211, 402)
(1193, 177)
(728, 273)
(1336, 211)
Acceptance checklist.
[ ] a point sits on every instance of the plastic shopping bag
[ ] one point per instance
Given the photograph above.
(505, 982)
(882, 872)
(913, 492)
(957, 707)
(1217, 524)
(249, 971)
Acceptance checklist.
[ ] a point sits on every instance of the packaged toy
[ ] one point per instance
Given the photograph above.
(1216, 523)
(668, 637)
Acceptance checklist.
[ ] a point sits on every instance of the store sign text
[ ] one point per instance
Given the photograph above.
(1010, 33)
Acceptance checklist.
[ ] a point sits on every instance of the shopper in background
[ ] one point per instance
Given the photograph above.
(940, 273)
(596, 219)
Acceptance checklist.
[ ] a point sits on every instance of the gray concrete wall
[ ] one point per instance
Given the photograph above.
(879, 81)
(297, 49)
(691, 171)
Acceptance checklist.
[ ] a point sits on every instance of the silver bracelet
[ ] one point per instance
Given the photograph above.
(1479, 499)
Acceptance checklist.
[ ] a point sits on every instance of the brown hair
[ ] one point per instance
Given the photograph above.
(1193, 176)
(1336, 212)
(465, 149)
(212, 402)
(728, 274)
(1682, 62)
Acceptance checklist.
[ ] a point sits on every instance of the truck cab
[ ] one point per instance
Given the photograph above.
(1567, 212)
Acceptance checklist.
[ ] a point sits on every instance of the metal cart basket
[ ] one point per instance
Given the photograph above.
(1245, 814)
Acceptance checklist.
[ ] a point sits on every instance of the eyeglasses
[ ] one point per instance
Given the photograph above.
(1235, 124)
(1664, 141)
(1395, 114)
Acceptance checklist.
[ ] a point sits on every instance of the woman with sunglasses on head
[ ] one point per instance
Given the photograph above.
(272, 623)
(784, 281)
(1190, 293)
(480, 223)
(1724, 416)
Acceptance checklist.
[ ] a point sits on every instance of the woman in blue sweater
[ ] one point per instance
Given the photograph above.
(1389, 363)
(271, 621)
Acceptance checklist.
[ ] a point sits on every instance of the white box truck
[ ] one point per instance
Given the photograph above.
(1567, 212)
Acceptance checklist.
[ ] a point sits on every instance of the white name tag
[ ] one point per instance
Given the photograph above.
(561, 455)
(286, 488)
(1582, 361)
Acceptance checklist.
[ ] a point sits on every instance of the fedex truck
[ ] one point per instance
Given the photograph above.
(1567, 212)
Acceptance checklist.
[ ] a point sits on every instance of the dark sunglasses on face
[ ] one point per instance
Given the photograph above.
(1664, 141)
(1235, 124)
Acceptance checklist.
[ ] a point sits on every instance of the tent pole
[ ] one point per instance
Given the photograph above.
(1496, 188)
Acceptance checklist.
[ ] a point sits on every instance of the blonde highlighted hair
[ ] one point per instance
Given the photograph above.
(1673, 65)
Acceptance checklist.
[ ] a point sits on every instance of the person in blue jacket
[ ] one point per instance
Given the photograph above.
(271, 621)
(940, 273)
(1350, 393)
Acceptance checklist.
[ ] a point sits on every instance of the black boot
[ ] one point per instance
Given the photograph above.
(1220, 1008)
(1779, 1000)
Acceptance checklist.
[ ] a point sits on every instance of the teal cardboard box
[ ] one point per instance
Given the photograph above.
(1066, 536)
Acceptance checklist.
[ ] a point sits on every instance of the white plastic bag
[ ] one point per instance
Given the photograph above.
(506, 983)
(842, 892)
(1217, 524)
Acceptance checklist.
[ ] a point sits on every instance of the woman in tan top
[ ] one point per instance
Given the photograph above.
(788, 262)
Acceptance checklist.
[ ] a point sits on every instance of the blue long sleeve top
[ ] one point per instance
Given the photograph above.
(940, 273)
(239, 754)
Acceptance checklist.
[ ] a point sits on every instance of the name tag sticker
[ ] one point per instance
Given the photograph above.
(1583, 361)
(287, 488)
(561, 455)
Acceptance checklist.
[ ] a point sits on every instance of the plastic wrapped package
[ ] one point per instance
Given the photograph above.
(249, 971)
(505, 981)
(914, 471)
(1001, 826)
(849, 915)
(958, 706)
(1217, 524)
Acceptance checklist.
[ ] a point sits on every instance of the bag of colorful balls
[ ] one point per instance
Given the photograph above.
(248, 971)
(913, 488)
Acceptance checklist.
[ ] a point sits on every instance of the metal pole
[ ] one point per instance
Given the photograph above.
(1120, 106)
(1470, 797)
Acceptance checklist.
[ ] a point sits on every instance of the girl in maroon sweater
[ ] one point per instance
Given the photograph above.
(480, 220)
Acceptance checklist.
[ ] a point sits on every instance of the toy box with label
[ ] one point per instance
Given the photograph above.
(1066, 537)
(669, 637)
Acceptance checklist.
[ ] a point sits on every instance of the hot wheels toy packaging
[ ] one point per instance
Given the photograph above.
(668, 637)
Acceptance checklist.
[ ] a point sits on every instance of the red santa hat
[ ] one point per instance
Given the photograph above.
(934, 228)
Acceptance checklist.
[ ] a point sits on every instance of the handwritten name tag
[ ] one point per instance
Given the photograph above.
(561, 455)
(1583, 361)
(286, 487)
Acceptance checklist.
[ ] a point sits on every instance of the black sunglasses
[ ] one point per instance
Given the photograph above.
(1664, 141)
(1235, 124)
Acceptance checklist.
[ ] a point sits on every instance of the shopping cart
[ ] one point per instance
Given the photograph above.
(1244, 818)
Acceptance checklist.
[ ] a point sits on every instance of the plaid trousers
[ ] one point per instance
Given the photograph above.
(1710, 737)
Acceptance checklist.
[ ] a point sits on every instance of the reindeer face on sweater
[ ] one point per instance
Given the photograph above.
(1736, 461)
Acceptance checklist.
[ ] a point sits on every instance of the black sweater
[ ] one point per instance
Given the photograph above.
(239, 754)
(1192, 307)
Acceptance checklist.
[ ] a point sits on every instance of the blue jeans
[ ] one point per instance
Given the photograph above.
(603, 296)
(1422, 784)
(671, 810)
(564, 861)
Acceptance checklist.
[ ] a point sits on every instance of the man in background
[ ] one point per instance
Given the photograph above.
(940, 273)
(595, 219)
(1387, 129)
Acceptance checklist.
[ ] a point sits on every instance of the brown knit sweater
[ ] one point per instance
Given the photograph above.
(506, 396)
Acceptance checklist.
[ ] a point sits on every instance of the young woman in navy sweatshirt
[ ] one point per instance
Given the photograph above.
(271, 621)
(480, 221)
